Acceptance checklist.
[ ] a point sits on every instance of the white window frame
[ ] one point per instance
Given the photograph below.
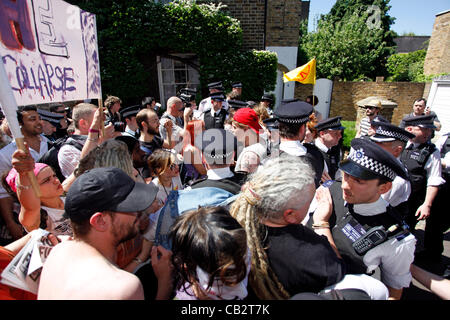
(161, 84)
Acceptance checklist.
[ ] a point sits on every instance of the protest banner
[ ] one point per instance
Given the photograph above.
(49, 53)
(49, 50)
(24, 270)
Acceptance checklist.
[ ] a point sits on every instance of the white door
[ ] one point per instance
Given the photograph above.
(439, 102)
(322, 90)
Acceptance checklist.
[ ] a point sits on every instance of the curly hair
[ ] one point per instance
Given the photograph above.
(111, 153)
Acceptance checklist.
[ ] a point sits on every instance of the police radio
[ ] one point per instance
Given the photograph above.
(370, 239)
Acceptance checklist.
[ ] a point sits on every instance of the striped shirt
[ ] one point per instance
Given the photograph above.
(364, 126)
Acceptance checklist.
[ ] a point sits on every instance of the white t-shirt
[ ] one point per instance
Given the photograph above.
(56, 222)
(162, 195)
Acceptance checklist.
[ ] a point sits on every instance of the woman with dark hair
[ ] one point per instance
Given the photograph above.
(210, 256)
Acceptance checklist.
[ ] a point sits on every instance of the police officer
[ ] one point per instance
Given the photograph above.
(128, 114)
(422, 160)
(213, 87)
(216, 116)
(439, 221)
(273, 137)
(357, 209)
(267, 101)
(329, 133)
(236, 88)
(292, 116)
(51, 122)
(218, 148)
(393, 139)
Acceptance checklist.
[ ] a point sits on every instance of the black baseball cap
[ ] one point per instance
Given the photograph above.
(107, 189)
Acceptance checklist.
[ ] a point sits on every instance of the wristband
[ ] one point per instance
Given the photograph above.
(19, 186)
(322, 225)
(94, 130)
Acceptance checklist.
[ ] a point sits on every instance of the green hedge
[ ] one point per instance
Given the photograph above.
(130, 32)
(349, 133)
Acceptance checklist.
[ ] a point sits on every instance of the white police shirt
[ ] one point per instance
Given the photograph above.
(400, 191)
(206, 105)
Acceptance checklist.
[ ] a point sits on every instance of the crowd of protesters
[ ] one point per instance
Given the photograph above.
(229, 200)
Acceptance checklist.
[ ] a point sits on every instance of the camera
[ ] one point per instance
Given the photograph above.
(119, 126)
(187, 95)
(186, 98)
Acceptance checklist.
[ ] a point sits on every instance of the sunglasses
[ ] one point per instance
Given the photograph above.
(173, 166)
(370, 107)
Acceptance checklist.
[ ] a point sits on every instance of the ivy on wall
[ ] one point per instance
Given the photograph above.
(130, 32)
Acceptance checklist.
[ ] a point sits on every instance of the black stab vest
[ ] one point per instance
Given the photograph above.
(346, 219)
(414, 159)
(332, 160)
(315, 159)
(216, 122)
(445, 149)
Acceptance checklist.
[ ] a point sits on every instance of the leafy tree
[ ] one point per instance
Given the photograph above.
(406, 66)
(132, 33)
(353, 41)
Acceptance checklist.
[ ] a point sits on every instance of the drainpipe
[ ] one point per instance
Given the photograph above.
(265, 24)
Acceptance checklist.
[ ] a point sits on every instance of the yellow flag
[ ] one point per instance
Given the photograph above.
(304, 74)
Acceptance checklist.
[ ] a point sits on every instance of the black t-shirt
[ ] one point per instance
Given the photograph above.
(150, 147)
(227, 184)
(302, 260)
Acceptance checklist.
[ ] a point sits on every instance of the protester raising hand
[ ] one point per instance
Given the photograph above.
(46, 211)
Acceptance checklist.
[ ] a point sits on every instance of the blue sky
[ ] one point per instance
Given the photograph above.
(411, 15)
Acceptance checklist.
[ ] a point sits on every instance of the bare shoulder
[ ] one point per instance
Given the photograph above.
(74, 271)
(128, 287)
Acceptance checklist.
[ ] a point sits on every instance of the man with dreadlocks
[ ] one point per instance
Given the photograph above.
(288, 258)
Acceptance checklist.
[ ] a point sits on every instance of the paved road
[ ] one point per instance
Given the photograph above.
(416, 291)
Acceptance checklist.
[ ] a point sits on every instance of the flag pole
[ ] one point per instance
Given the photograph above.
(314, 84)
(9, 107)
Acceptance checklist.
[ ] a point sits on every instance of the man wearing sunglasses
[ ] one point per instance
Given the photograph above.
(373, 107)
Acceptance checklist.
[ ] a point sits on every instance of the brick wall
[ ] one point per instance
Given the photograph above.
(280, 22)
(250, 13)
(346, 94)
(438, 54)
(283, 20)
